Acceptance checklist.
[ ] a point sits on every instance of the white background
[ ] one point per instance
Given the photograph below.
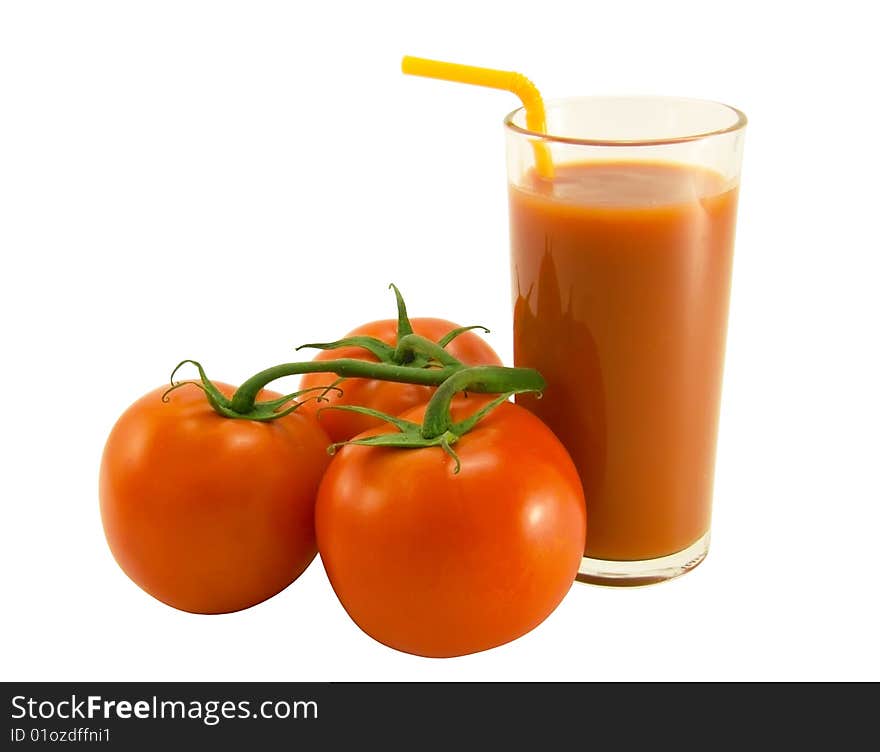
(226, 180)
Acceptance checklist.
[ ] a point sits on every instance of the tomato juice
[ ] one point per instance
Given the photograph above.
(621, 279)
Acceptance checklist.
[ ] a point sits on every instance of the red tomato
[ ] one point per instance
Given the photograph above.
(439, 564)
(206, 513)
(386, 396)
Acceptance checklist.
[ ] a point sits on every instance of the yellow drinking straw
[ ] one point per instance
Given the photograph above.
(510, 81)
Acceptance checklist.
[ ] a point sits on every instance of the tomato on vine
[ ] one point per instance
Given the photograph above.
(377, 341)
(442, 537)
(207, 514)
(461, 531)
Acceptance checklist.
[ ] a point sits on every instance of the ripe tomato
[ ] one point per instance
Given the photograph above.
(439, 564)
(206, 513)
(386, 396)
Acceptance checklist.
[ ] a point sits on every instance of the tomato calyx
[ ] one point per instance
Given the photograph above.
(411, 349)
(438, 428)
(260, 411)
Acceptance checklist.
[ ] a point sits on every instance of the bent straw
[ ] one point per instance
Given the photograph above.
(511, 81)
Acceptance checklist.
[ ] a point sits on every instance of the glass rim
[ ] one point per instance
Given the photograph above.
(740, 122)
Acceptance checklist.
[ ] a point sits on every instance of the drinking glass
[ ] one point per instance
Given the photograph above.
(621, 257)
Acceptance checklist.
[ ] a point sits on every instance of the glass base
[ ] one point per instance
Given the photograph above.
(644, 572)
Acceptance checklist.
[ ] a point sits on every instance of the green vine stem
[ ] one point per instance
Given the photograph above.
(243, 403)
(244, 398)
(413, 360)
(517, 381)
(437, 427)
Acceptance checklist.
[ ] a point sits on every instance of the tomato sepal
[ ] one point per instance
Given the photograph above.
(264, 411)
(373, 345)
(411, 349)
(449, 336)
(438, 428)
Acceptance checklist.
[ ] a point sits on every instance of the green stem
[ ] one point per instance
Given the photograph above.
(483, 379)
(414, 360)
(245, 396)
(437, 428)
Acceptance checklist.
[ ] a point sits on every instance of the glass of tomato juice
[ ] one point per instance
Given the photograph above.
(621, 260)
